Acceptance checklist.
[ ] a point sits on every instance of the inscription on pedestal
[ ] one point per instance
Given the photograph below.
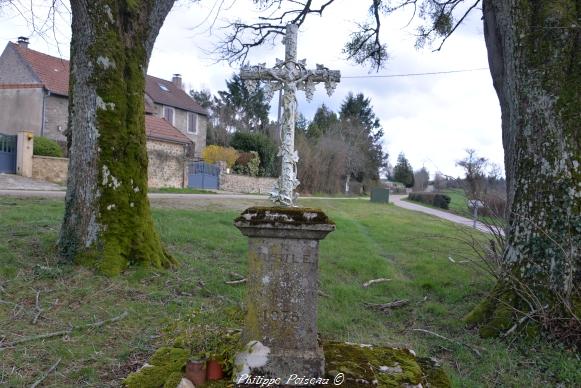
(282, 291)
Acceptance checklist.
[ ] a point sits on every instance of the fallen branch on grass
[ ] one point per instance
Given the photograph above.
(236, 278)
(324, 294)
(373, 281)
(476, 351)
(386, 307)
(61, 333)
(240, 281)
(521, 321)
(45, 375)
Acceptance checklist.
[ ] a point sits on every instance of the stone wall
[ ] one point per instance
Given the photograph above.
(246, 184)
(50, 169)
(166, 164)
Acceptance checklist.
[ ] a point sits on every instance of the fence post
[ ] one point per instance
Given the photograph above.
(24, 148)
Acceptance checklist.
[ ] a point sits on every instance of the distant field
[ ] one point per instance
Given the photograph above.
(426, 264)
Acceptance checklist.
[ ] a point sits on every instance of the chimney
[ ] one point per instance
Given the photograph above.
(23, 41)
(177, 80)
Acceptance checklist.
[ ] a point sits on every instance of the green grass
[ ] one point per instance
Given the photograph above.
(180, 190)
(371, 241)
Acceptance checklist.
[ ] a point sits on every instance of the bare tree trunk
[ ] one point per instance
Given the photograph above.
(534, 55)
(107, 219)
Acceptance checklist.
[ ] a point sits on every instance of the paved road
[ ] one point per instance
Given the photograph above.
(397, 201)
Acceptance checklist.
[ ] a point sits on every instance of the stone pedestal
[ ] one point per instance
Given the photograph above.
(281, 322)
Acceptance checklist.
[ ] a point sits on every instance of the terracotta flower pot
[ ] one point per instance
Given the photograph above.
(196, 372)
(214, 370)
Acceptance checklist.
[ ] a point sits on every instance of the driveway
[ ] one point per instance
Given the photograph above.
(397, 201)
(17, 182)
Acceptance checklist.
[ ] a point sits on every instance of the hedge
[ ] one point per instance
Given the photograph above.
(46, 147)
(434, 199)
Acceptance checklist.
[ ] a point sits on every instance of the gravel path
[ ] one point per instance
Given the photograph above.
(17, 182)
(397, 201)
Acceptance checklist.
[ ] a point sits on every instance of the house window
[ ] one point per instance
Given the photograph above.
(192, 122)
(168, 114)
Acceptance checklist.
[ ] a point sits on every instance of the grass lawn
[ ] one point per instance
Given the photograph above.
(371, 241)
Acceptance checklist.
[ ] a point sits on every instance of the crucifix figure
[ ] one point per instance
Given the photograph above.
(289, 75)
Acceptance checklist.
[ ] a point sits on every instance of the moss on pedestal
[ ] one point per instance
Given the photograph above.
(366, 365)
(284, 215)
(361, 365)
(163, 367)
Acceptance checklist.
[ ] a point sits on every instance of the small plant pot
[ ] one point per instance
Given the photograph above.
(214, 370)
(196, 372)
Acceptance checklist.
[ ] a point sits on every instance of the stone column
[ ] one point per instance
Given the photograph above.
(280, 329)
(24, 148)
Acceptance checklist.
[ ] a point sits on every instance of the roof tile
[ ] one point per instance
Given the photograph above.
(53, 72)
(159, 128)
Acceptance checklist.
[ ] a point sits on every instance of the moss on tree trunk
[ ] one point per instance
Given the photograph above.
(107, 220)
(534, 55)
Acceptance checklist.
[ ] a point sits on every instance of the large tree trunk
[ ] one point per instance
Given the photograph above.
(534, 55)
(107, 219)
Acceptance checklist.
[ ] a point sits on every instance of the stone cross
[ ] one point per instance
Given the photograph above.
(289, 75)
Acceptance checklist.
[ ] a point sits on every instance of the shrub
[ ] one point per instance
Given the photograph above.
(434, 199)
(248, 163)
(47, 147)
(213, 154)
(260, 143)
(494, 205)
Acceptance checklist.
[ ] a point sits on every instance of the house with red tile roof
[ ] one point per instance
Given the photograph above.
(34, 90)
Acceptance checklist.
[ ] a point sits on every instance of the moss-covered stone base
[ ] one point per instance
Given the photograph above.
(366, 365)
(360, 366)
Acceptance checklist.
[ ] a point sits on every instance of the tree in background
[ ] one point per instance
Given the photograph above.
(403, 171)
(365, 134)
(440, 181)
(474, 167)
(235, 109)
(261, 144)
(323, 120)
(421, 179)
(241, 109)
(352, 140)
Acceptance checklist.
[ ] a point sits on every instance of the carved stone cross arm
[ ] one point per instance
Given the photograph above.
(275, 78)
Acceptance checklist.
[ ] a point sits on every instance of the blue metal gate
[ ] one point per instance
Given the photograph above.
(203, 176)
(7, 154)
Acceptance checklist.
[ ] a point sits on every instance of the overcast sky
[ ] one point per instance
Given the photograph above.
(432, 118)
